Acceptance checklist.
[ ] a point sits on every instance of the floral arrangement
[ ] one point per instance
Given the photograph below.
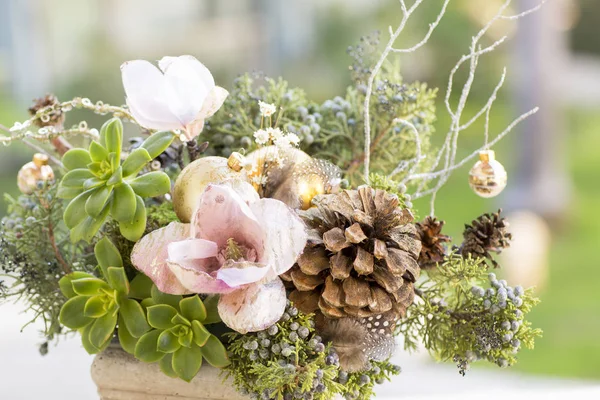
(261, 232)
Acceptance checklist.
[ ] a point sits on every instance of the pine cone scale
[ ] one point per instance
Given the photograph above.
(340, 266)
(304, 282)
(335, 240)
(313, 260)
(357, 291)
(333, 293)
(363, 263)
(354, 234)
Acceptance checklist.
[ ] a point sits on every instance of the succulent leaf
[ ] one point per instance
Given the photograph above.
(163, 298)
(89, 286)
(193, 308)
(118, 279)
(168, 342)
(135, 229)
(140, 287)
(136, 160)
(102, 329)
(66, 283)
(201, 334)
(76, 158)
(134, 318)
(107, 255)
(72, 313)
(95, 307)
(160, 316)
(187, 362)
(126, 339)
(158, 142)
(146, 348)
(166, 366)
(215, 353)
(97, 200)
(152, 184)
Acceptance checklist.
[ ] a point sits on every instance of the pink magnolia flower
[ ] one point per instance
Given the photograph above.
(236, 245)
(180, 97)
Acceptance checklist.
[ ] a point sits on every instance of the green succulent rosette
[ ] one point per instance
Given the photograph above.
(95, 305)
(100, 184)
(179, 340)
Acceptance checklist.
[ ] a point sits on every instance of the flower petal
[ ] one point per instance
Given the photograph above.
(244, 189)
(211, 105)
(241, 273)
(285, 234)
(223, 214)
(191, 249)
(145, 88)
(150, 255)
(186, 90)
(213, 102)
(193, 276)
(253, 308)
(200, 68)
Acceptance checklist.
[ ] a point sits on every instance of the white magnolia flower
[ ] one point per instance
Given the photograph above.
(266, 109)
(261, 136)
(181, 97)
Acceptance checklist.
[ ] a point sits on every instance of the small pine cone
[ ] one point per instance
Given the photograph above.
(433, 248)
(55, 117)
(361, 256)
(487, 234)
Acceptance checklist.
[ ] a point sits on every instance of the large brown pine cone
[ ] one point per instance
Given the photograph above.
(487, 234)
(361, 257)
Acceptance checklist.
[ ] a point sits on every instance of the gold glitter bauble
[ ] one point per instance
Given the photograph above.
(33, 172)
(487, 177)
(291, 176)
(194, 178)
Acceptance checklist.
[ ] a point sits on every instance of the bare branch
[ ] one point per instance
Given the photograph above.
(524, 13)
(406, 13)
(510, 127)
(432, 27)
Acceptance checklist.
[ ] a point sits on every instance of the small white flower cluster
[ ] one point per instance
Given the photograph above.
(266, 109)
(277, 137)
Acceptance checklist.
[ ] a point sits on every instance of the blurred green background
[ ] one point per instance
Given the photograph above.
(74, 48)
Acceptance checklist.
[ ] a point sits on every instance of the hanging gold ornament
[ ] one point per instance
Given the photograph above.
(33, 172)
(194, 178)
(487, 177)
(290, 175)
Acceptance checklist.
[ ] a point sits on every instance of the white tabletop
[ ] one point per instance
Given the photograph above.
(63, 374)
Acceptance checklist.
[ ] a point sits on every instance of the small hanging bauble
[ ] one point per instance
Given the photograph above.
(194, 178)
(34, 172)
(487, 177)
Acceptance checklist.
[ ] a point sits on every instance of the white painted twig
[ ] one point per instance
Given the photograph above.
(394, 34)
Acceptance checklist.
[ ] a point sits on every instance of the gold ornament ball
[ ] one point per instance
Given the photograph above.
(33, 172)
(291, 176)
(487, 177)
(194, 178)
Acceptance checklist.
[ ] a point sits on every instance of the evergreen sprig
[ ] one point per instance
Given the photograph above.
(333, 130)
(289, 360)
(35, 253)
(465, 314)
